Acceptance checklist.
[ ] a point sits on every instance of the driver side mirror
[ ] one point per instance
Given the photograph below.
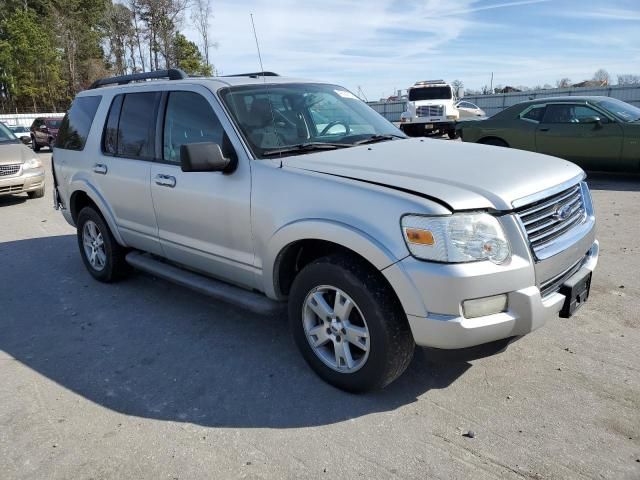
(594, 120)
(205, 157)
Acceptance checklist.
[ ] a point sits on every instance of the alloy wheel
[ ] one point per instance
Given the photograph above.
(336, 329)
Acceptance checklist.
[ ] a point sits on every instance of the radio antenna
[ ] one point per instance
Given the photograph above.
(264, 82)
(255, 35)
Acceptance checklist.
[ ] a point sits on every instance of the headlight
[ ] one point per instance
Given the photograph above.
(465, 237)
(33, 163)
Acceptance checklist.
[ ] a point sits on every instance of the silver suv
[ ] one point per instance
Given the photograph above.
(257, 190)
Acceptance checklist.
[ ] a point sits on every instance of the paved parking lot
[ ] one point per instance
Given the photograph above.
(144, 379)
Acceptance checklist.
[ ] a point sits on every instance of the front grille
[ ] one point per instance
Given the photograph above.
(11, 189)
(6, 170)
(430, 111)
(548, 219)
(553, 284)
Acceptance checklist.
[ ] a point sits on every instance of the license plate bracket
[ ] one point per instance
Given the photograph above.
(576, 291)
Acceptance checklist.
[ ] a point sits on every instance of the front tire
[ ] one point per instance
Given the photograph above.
(36, 147)
(348, 324)
(36, 193)
(102, 255)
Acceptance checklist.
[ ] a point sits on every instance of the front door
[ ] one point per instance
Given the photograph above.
(203, 218)
(567, 131)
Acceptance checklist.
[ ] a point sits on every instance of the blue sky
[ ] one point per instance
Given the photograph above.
(382, 45)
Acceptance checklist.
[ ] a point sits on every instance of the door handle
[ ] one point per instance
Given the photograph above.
(100, 168)
(165, 180)
(544, 129)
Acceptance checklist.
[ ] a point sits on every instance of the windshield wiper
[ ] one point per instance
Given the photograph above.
(305, 147)
(377, 138)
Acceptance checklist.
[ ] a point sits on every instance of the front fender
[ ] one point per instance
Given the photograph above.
(82, 184)
(331, 231)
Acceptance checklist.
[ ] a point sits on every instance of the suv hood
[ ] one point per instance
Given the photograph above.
(463, 176)
(12, 153)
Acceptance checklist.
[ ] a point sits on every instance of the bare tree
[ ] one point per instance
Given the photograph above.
(628, 79)
(200, 15)
(563, 83)
(457, 87)
(602, 77)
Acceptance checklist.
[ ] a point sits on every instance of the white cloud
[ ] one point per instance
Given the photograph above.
(384, 45)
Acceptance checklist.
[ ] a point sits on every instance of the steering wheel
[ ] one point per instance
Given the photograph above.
(333, 124)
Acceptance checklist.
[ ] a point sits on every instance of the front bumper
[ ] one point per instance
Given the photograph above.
(445, 287)
(23, 182)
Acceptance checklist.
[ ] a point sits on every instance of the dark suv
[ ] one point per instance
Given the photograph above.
(44, 132)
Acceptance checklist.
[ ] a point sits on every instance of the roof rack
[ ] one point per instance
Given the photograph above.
(171, 74)
(254, 74)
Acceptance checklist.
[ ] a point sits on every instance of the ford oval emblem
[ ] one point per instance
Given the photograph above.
(562, 212)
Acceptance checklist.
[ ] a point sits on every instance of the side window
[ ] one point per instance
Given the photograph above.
(136, 128)
(110, 134)
(581, 112)
(571, 113)
(190, 119)
(77, 123)
(535, 114)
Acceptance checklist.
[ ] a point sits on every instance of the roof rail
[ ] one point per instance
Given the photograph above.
(171, 74)
(254, 74)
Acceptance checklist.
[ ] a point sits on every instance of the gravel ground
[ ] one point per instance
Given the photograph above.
(143, 379)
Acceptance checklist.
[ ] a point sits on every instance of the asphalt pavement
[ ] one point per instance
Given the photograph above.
(144, 379)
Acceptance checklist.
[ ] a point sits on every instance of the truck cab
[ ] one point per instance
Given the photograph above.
(430, 109)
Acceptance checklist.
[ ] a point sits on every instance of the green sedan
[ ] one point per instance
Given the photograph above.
(597, 133)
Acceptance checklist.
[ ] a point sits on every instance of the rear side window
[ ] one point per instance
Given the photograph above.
(130, 127)
(77, 122)
(535, 114)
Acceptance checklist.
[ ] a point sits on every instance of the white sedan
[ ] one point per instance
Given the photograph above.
(468, 109)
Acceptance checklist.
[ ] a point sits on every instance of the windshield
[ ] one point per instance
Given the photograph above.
(6, 135)
(18, 129)
(275, 118)
(53, 123)
(622, 110)
(430, 93)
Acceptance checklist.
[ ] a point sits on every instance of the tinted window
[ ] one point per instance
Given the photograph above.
(77, 122)
(535, 114)
(136, 128)
(568, 113)
(53, 123)
(430, 93)
(189, 119)
(110, 134)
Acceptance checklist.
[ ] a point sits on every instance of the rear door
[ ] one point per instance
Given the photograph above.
(563, 132)
(123, 170)
(204, 218)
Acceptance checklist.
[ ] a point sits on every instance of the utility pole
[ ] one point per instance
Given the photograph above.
(491, 82)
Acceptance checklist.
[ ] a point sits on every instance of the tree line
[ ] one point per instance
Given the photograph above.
(52, 49)
(601, 78)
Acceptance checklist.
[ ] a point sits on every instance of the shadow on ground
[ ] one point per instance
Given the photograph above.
(619, 182)
(9, 200)
(148, 348)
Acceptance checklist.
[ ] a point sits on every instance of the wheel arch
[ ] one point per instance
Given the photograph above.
(85, 195)
(485, 139)
(298, 243)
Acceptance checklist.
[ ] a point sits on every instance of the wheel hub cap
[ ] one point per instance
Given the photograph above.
(336, 329)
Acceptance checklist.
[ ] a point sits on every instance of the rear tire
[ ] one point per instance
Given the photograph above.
(496, 142)
(102, 255)
(36, 193)
(452, 134)
(361, 348)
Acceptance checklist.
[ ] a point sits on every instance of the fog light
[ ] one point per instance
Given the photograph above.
(481, 307)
